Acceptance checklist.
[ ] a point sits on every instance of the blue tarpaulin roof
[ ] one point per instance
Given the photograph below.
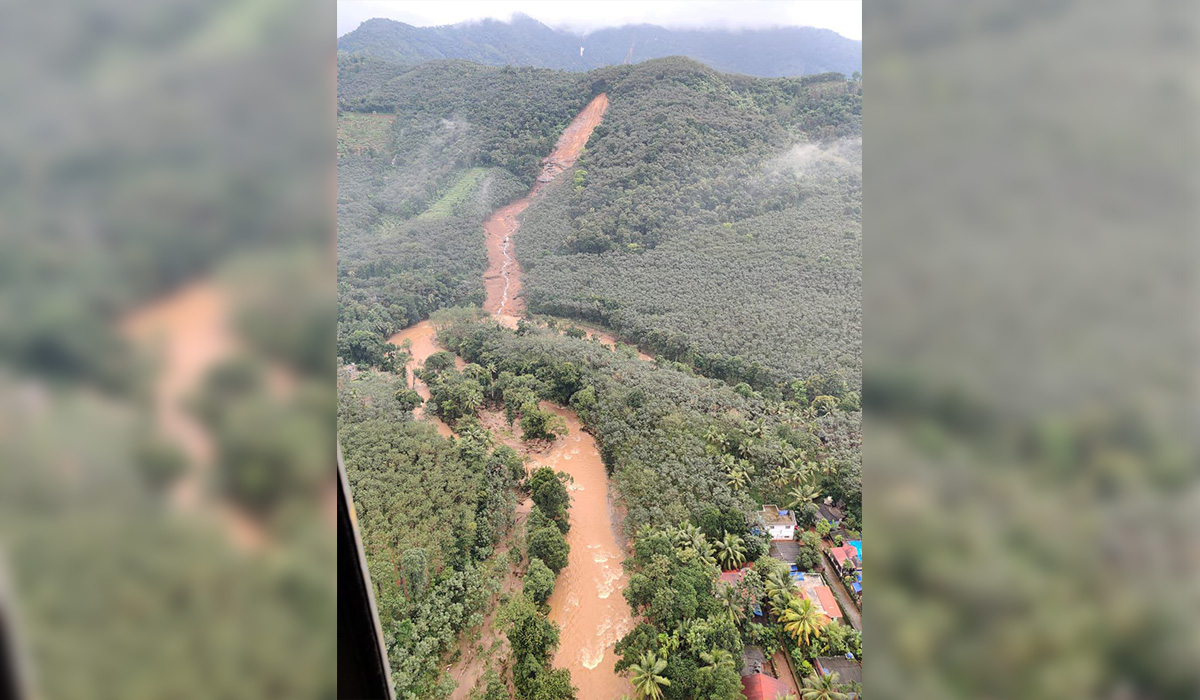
(856, 587)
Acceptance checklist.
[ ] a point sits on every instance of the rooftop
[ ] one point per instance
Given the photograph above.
(841, 554)
(828, 602)
(830, 513)
(760, 686)
(773, 517)
(733, 577)
(847, 669)
(785, 551)
(753, 660)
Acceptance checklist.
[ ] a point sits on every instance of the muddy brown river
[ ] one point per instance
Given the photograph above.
(587, 603)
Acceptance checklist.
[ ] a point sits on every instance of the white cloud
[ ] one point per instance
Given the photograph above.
(842, 16)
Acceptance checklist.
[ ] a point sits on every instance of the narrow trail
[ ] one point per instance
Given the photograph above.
(587, 603)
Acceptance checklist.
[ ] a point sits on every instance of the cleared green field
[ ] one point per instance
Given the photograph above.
(358, 132)
(458, 194)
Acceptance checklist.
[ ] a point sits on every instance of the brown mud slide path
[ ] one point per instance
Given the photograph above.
(502, 280)
(587, 602)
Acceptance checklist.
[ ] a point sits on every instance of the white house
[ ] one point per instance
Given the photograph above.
(780, 524)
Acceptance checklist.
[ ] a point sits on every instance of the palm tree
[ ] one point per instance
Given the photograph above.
(647, 677)
(731, 601)
(685, 536)
(737, 480)
(669, 643)
(746, 448)
(731, 551)
(780, 588)
(728, 462)
(802, 620)
(821, 687)
(715, 660)
(704, 550)
(788, 473)
(805, 492)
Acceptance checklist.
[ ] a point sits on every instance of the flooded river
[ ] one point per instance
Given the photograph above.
(587, 602)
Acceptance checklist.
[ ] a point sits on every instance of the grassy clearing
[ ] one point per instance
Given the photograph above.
(359, 132)
(456, 195)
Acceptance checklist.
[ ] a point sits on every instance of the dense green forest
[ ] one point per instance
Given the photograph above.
(463, 140)
(430, 512)
(768, 52)
(672, 439)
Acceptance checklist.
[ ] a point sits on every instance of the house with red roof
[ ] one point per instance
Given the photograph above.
(828, 603)
(760, 686)
(845, 559)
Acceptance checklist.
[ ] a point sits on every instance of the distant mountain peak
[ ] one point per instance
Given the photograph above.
(523, 40)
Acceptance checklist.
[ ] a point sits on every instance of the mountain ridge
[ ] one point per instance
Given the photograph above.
(768, 53)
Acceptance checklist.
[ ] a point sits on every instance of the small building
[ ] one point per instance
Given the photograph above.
(831, 513)
(760, 686)
(848, 670)
(780, 524)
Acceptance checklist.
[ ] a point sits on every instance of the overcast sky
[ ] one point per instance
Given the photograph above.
(842, 16)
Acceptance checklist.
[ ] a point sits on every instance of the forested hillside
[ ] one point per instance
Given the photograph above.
(463, 139)
(748, 189)
(692, 459)
(526, 42)
(659, 427)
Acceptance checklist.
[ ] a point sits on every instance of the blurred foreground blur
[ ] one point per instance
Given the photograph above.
(1030, 350)
(166, 348)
